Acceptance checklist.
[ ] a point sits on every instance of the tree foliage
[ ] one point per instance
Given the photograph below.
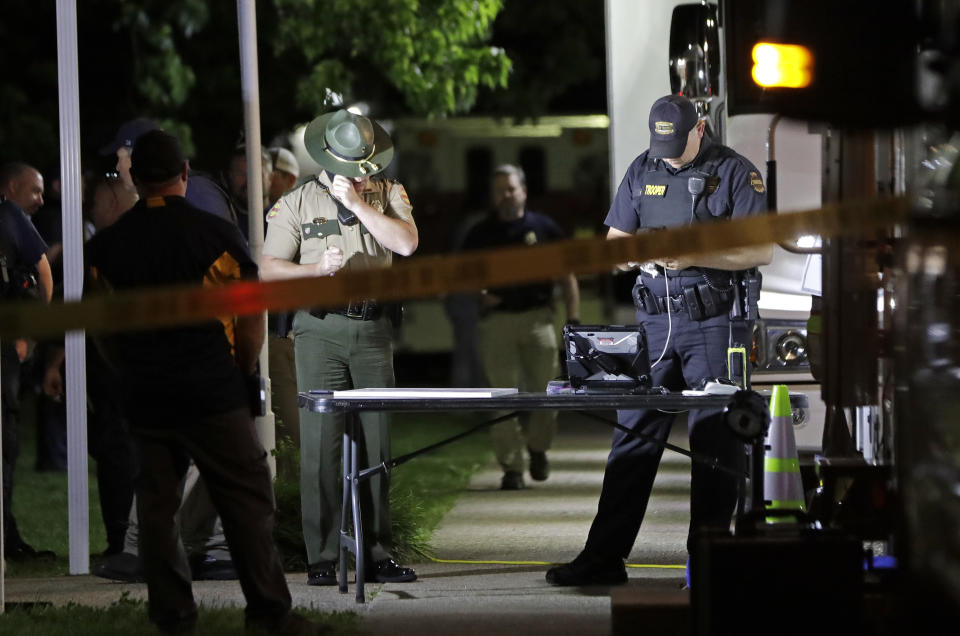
(178, 61)
(155, 29)
(433, 52)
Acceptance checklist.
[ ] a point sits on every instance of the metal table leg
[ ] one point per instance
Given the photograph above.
(350, 510)
(357, 518)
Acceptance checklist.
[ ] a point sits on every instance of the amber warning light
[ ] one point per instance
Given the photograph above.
(782, 65)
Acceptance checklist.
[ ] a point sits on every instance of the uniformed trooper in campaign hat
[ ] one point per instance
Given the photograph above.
(342, 220)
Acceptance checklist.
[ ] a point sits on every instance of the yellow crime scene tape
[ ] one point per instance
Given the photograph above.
(431, 276)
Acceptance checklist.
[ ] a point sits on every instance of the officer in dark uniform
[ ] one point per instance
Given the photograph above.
(24, 271)
(517, 333)
(692, 309)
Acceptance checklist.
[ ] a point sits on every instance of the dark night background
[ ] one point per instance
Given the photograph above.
(557, 51)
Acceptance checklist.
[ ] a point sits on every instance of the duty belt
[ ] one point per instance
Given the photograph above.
(699, 301)
(356, 310)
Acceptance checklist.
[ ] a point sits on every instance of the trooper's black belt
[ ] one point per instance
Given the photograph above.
(357, 310)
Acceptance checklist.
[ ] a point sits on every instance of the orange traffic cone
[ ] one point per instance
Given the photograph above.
(782, 485)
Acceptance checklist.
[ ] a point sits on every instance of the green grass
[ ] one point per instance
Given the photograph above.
(40, 507)
(127, 616)
(423, 490)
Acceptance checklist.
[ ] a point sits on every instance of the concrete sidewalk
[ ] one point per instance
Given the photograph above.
(466, 593)
(546, 523)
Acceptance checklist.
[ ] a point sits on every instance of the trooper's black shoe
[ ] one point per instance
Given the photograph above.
(512, 480)
(322, 573)
(206, 568)
(588, 570)
(26, 552)
(389, 571)
(539, 466)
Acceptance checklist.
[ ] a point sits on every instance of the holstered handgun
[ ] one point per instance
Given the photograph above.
(644, 299)
(394, 312)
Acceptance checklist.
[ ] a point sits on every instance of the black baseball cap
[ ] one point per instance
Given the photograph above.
(128, 133)
(156, 157)
(671, 119)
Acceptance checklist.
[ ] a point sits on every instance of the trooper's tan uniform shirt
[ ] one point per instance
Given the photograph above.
(304, 221)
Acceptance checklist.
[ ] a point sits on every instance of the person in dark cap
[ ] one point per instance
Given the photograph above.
(205, 366)
(345, 219)
(202, 190)
(692, 309)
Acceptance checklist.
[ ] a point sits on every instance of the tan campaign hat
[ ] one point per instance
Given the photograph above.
(348, 144)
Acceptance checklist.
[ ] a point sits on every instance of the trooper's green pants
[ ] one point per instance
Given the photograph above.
(338, 353)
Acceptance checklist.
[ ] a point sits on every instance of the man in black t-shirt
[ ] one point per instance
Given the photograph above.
(201, 530)
(186, 396)
(518, 337)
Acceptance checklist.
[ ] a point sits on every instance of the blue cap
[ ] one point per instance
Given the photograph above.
(671, 119)
(127, 134)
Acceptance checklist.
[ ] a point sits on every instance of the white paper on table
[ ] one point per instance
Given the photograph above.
(410, 392)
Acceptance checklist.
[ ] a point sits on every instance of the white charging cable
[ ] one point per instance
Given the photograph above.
(666, 303)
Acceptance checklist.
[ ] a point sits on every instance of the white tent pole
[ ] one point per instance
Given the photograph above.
(76, 381)
(247, 18)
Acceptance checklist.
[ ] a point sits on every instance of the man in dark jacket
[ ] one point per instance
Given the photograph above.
(25, 273)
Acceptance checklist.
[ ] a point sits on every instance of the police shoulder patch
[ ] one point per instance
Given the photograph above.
(274, 210)
(756, 182)
(403, 194)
